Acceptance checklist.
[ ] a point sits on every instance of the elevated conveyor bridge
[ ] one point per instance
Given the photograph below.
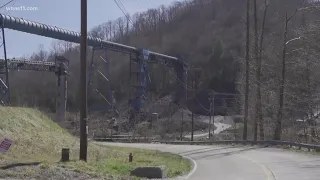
(139, 57)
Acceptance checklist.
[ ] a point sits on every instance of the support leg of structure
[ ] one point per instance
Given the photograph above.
(181, 91)
(107, 97)
(91, 71)
(4, 74)
(138, 81)
(61, 98)
(61, 101)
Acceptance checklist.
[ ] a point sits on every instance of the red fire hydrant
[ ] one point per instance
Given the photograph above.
(130, 157)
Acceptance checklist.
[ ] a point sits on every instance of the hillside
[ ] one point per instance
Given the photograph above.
(33, 133)
(38, 139)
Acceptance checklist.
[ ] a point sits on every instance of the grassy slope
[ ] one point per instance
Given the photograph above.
(37, 138)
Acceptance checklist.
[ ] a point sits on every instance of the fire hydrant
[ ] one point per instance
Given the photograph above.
(130, 157)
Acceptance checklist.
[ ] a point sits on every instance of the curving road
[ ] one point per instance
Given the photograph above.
(218, 122)
(242, 163)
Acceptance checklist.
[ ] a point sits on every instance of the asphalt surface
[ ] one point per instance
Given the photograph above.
(218, 122)
(242, 163)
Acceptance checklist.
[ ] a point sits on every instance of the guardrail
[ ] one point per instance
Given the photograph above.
(125, 138)
(248, 142)
(137, 139)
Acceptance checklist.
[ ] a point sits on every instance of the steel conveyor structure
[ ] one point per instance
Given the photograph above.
(142, 56)
(59, 67)
(29, 65)
(20, 24)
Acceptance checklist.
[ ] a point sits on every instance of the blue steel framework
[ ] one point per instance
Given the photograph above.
(138, 78)
(142, 56)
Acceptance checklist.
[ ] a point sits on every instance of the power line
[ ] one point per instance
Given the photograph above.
(127, 14)
(123, 10)
(120, 7)
(121, 4)
(6, 4)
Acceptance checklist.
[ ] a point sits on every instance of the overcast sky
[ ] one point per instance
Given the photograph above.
(64, 14)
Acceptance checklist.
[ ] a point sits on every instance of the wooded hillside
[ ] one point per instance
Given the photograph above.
(210, 34)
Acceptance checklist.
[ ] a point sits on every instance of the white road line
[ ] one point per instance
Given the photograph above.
(270, 175)
(195, 166)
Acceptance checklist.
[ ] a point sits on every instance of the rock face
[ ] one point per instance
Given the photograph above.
(148, 172)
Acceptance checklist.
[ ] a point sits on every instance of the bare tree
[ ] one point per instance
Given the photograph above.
(278, 129)
(258, 50)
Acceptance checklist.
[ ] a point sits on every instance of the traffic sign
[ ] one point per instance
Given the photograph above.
(5, 145)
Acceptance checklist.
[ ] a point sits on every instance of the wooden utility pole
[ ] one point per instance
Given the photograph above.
(192, 115)
(211, 112)
(83, 83)
(256, 55)
(209, 135)
(259, 70)
(195, 82)
(186, 106)
(181, 128)
(246, 93)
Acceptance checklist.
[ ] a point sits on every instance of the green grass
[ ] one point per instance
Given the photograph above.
(38, 139)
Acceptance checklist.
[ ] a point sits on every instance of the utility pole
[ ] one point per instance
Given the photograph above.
(247, 69)
(181, 129)
(192, 115)
(186, 98)
(83, 83)
(210, 120)
(211, 99)
(195, 79)
(212, 111)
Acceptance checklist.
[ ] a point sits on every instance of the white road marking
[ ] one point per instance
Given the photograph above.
(267, 171)
(195, 166)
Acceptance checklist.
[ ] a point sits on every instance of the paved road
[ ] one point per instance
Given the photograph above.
(218, 122)
(242, 163)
